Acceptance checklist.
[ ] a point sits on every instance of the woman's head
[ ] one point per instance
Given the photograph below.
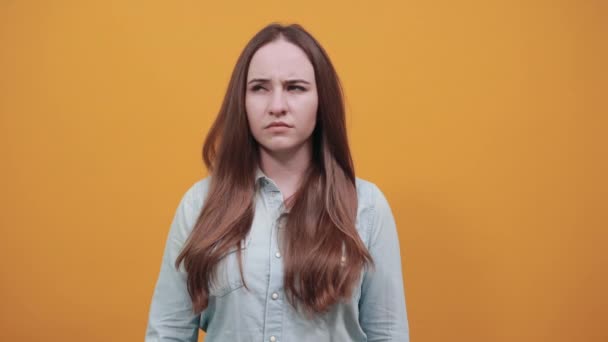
(283, 74)
(281, 89)
(313, 108)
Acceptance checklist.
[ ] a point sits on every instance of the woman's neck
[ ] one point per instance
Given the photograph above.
(286, 168)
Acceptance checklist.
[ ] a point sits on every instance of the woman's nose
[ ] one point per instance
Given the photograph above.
(278, 105)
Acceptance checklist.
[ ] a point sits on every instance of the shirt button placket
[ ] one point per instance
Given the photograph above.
(274, 304)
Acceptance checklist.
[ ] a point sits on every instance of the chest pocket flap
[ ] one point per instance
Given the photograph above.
(228, 276)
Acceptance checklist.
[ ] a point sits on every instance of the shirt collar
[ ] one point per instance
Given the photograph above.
(259, 174)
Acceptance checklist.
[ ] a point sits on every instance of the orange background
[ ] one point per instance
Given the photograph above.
(484, 122)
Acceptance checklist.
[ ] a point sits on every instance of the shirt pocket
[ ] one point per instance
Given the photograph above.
(228, 275)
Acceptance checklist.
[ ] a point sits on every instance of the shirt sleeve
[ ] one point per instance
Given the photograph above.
(171, 316)
(382, 308)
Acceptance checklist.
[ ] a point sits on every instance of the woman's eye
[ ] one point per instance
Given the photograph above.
(259, 87)
(296, 87)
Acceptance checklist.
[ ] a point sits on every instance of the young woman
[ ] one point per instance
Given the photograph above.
(281, 242)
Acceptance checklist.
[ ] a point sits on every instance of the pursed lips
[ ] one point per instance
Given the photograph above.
(277, 124)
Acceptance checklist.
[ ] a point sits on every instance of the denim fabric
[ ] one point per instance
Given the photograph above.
(376, 311)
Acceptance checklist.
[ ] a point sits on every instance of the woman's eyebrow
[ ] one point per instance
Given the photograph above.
(266, 80)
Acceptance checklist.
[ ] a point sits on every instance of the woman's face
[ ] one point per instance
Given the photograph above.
(281, 89)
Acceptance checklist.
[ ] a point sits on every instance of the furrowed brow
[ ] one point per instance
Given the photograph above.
(265, 80)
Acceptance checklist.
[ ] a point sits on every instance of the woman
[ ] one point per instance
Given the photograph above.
(281, 242)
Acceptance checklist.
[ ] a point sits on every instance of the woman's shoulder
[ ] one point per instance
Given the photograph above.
(197, 191)
(371, 201)
(368, 193)
(372, 208)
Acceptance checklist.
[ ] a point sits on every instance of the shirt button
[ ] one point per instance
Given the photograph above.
(275, 295)
(277, 254)
(273, 339)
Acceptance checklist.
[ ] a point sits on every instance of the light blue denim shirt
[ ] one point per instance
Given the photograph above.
(377, 311)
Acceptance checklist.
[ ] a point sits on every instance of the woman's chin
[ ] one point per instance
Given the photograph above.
(282, 147)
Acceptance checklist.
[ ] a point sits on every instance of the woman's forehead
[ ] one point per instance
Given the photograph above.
(280, 60)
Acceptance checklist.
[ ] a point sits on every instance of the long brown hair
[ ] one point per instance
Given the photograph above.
(320, 227)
